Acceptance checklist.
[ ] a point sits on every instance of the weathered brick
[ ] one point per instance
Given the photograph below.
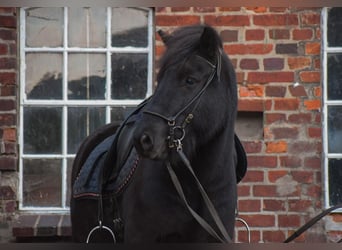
(230, 20)
(313, 48)
(251, 91)
(285, 133)
(273, 63)
(24, 226)
(299, 205)
(300, 118)
(286, 104)
(317, 91)
(260, 220)
(313, 163)
(179, 9)
(7, 119)
(274, 175)
(7, 63)
(313, 104)
(262, 161)
(276, 147)
(8, 34)
(303, 176)
(8, 21)
(289, 220)
(249, 205)
(3, 49)
(273, 205)
(252, 146)
(267, 77)
(9, 134)
(9, 90)
(273, 236)
(244, 190)
(303, 147)
(255, 35)
(275, 19)
(248, 49)
(180, 20)
(257, 9)
(297, 91)
(310, 18)
(302, 34)
(229, 35)
(7, 193)
(7, 105)
(254, 176)
(310, 76)
(287, 48)
(291, 161)
(299, 62)
(265, 191)
(8, 163)
(251, 64)
(250, 105)
(204, 9)
(274, 117)
(315, 132)
(313, 191)
(279, 34)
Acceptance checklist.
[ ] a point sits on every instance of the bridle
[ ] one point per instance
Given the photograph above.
(175, 141)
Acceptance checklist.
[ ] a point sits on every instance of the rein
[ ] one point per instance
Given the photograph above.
(175, 141)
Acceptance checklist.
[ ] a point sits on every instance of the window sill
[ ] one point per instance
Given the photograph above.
(42, 225)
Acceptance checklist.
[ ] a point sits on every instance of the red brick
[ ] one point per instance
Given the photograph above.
(273, 236)
(180, 20)
(267, 77)
(278, 9)
(275, 19)
(8, 21)
(286, 48)
(248, 49)
(8, 63)
(8, 163)
(249, 205)
(7, 193)
(251, 91)
(9, 134)
(249, 64)
(243, 237)
(286, 104)
(290, 161)
(262, 161)
(257, 9)
(317, 91)
(311, 19)
(229, 35)
(204, 9)
(8, 34)
(229, 9)
(250, 105)
(180, 9)
(252, 147)
(337, 217)
(278, 34)
(303, 176)
(300, 205)
(7, 120)
(259, 220)
(3, 49)
(299, 147)
(274, 117)
(274, 175)
(273, 63)
(230, 20)
(10, 206)
(289, 220)
(297, 91)
(285, 133)
(314, 191)
(265, 191)
(276, 147)
(312, 104)
(273, 205)
(255, 35)
(310, 76)
(244, 190)
(254, 176)
(8, 90)
(313, 163)
(7, 105)
(301, 118)
(313, 48)
(299, 62)
(302, 34)
(315, 132)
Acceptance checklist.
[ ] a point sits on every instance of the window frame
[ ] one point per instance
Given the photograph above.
(107, 102)
(325, 51)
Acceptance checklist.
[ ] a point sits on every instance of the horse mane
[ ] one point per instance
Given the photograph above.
(183, 43)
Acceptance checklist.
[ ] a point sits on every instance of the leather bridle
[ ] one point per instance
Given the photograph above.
(175, 141)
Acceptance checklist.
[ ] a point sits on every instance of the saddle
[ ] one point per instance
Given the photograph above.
(111, 164)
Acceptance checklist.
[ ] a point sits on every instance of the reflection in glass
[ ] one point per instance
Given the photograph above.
(87, 27)
(129, 76)
(43, 76)
(44, 27)
(335, 27)
(38, 191)
(81, 122)
(119, 114)
(42, 130)
(335, 129)
(334, 76)
(86, 76)
(335, 183)
(129, 27)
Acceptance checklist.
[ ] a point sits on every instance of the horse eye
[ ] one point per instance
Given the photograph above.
(189, 81)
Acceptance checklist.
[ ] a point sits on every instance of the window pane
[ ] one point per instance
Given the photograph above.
(335, 76)
(43, 76)
(69, 172)
(42, 130)
(87, 76)
(129, 76)
(129, 27)
(335, 183)
(42, 182)
(335, 129)
(81, 122)
(44, 27)
(87, 27)
(119, 114)
(335, 27)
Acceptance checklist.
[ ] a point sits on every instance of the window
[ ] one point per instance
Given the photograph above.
(332, 72)
(80, 68)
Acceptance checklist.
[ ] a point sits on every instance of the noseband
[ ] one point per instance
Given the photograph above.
(177, 132)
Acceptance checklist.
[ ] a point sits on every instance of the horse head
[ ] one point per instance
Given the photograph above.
(195, 97)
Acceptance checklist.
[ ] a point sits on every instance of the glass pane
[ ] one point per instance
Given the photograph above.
(42, 130)
(335, 76)
(87, 27)
(119, 114)
(82, 121)
(335, 129)
(335, 183)
(335, 27)
(43, 76)
(44, 27)
(69, 172)
(42, 180)
(86, 76)
(129, 76)
(129, 27)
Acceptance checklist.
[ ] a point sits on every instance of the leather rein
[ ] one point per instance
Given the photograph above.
(175, 137)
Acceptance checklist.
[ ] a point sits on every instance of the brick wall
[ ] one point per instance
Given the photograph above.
(8, 120)
(276, 53)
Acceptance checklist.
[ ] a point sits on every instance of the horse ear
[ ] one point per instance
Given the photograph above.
(209, 43)
(165, 37)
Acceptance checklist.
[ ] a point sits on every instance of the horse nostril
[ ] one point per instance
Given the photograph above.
(146, 142)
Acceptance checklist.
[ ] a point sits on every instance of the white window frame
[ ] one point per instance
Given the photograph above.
(64, 103)
(325, 50)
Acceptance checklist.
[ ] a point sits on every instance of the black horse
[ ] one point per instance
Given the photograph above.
(140, 183)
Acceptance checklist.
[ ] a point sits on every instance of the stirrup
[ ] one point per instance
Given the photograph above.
(99, 227)
(246, 226)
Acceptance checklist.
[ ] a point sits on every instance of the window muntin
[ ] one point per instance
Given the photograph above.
(80, 68)
(332, 100)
